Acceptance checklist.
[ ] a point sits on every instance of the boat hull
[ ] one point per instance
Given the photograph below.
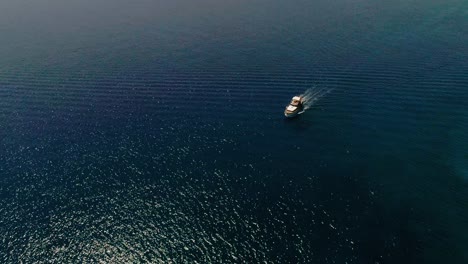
(289, 114)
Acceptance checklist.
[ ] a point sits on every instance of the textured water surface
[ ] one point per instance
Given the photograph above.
(153, 132)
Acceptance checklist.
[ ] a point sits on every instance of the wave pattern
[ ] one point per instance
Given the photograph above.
(154, 132)
(177, 166)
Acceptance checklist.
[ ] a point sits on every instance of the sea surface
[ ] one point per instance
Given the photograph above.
(152, 131)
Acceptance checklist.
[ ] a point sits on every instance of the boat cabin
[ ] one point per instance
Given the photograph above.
(296, 101)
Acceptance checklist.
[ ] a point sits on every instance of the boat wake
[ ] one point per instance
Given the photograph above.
(312, 95)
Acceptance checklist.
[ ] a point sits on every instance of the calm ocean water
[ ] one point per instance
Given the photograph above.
(153, 131)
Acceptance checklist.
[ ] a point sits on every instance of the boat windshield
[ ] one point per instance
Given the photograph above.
(291, 108)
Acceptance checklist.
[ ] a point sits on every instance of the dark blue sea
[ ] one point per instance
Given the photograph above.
(152, 131)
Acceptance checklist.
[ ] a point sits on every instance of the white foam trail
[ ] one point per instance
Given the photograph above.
(312, 95)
